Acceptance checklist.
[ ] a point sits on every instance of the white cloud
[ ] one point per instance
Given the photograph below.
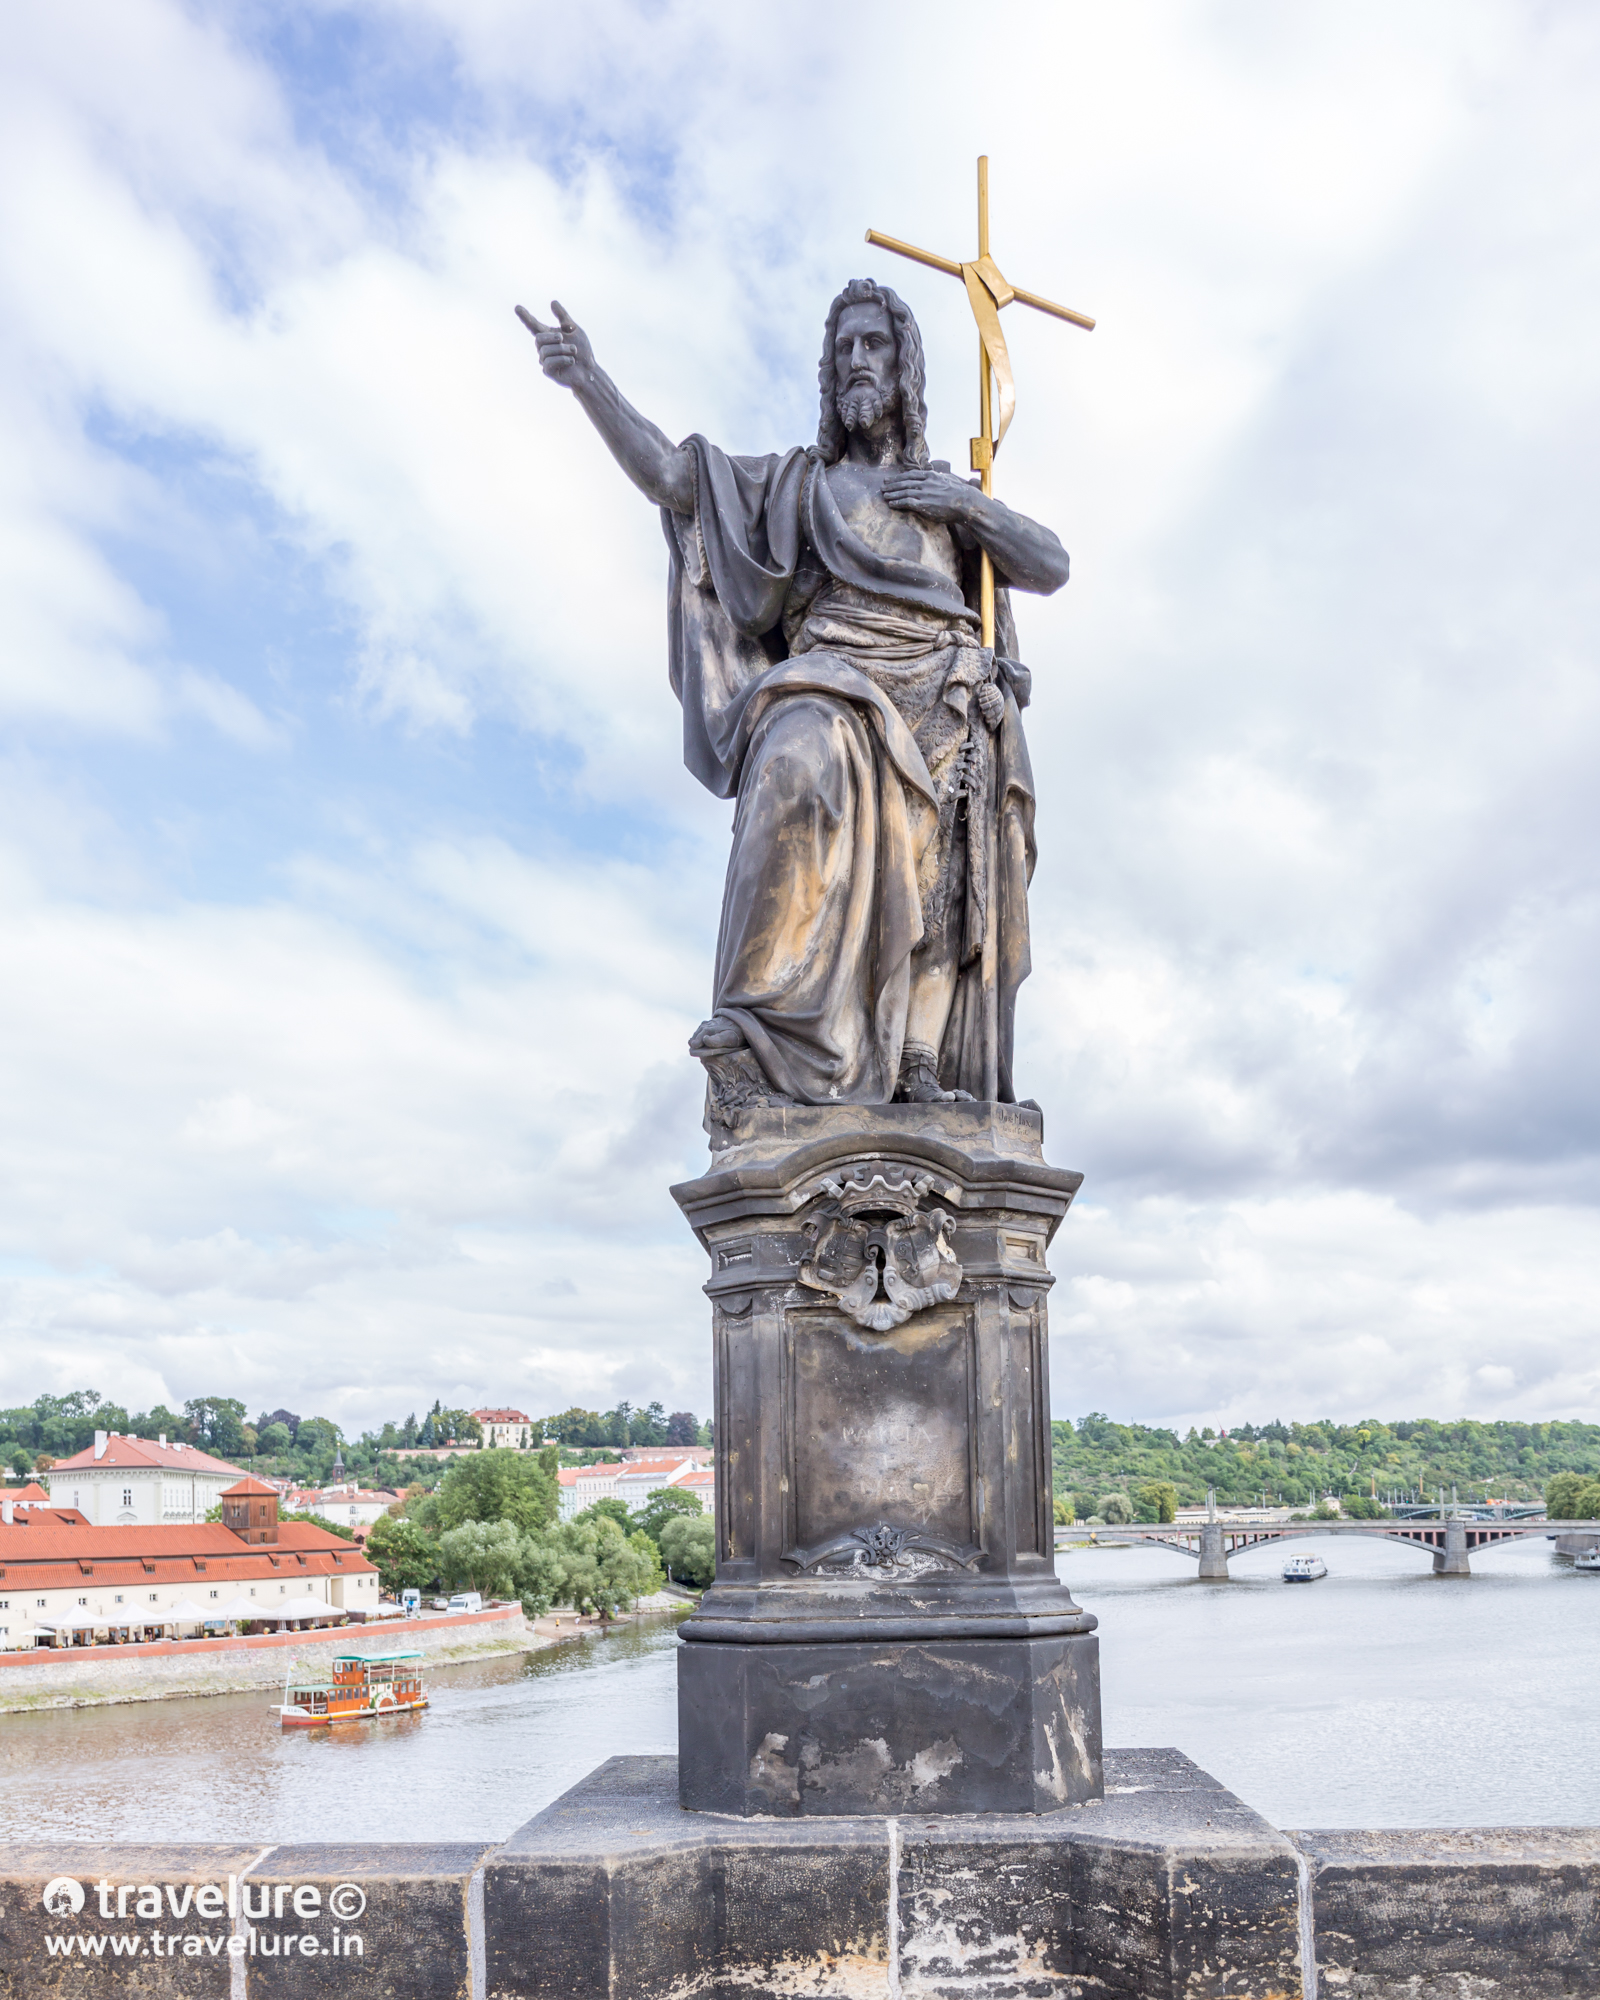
(1315, 923)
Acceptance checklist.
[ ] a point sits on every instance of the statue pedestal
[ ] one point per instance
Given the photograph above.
(886, 1632)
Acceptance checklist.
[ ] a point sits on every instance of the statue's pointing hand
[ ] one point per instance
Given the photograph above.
(564, 351)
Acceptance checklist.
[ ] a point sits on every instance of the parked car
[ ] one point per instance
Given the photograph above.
(465, 1600)
(440, 1604)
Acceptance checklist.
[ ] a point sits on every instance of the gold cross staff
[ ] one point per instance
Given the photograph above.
(987, 292)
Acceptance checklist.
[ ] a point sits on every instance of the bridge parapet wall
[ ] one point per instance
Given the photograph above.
(1168, 1886)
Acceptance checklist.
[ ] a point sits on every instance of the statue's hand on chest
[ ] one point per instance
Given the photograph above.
(873, 500)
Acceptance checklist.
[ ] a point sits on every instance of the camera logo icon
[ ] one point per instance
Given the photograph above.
(62, 1897)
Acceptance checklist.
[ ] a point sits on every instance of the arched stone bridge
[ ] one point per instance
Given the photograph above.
(1450, 1542)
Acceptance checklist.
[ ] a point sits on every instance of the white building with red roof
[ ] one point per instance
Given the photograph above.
(507, 1428)
(129, 1482)
(702, 1483)
(631, 1482)
(64, 1585)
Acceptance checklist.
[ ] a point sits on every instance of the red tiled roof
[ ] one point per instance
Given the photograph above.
(131, 1453)
(46, 1516)
(341, 1496)
(249, 1489)
(31, 1495)
(54, 1557)
(501, 1417)
(569, 1475)
(664, 1461)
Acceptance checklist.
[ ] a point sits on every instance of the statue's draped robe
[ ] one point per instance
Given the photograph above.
(827, 687)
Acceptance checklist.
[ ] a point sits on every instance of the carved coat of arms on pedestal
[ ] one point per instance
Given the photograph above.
(877, 1251)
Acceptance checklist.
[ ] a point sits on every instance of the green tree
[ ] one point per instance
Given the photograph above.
(456, 1427)
(604, 1567)
(607, 1509)
(1083, 1505)
(274, 1440)
(496, 1485)
(405, 1558)
(159, 1422)
(1156, 1500)
(648, 1426)
(683, 1427)
(1587, 1505)
(482, 1555)
(689, 1548)
(317, 1437)
(664, 1506)
(21, 1461)
(1114, 1510)
(1561, 1496)
(216, 1423)
(541, 1572)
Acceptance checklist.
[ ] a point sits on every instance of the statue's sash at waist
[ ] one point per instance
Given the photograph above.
(831, 674)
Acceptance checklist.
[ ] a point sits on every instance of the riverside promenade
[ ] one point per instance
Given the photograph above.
(80, 1676)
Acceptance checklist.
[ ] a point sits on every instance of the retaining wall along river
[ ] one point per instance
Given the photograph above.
(86, 1675)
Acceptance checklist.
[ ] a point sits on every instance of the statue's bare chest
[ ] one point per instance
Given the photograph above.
(889, 531)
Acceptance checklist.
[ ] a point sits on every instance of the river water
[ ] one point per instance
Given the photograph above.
(1381, 1696)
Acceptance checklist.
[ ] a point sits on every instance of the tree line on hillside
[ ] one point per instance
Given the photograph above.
(303, 1448)
(1299, 1465)
(492, 1525)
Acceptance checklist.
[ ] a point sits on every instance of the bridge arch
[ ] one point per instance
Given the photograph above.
(1449, 1543)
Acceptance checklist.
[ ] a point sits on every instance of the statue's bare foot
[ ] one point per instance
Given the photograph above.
(919, 1081)
(715, 1037)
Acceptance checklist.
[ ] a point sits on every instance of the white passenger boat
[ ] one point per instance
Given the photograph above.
(1588, 1559)
(1304, 1569)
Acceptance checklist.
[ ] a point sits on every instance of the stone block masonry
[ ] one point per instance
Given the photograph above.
(1167, 1889)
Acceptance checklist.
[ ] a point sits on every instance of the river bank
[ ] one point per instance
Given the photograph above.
(98, 1676)
(93, 1676)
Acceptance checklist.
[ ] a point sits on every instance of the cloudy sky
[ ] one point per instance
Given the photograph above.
(355, 904)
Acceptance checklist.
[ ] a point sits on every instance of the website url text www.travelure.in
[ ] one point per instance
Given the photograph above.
(213, 1944)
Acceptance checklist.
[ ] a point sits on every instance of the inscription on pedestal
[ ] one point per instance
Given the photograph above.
(880, 1433)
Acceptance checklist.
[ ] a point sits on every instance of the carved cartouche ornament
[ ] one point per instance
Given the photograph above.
(876, 1251)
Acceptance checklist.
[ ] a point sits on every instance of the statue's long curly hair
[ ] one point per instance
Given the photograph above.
(831, 433)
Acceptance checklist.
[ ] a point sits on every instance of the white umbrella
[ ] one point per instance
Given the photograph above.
(79, 1621)
(181, 1613)
(301, 1607)
(241, 1608)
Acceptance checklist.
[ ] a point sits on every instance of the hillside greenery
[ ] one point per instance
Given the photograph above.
(283, 1443)
(1298, 1464)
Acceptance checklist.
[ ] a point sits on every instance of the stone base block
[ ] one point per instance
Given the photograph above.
(975, 1726)
(1457, 1913)
(1166, 1887)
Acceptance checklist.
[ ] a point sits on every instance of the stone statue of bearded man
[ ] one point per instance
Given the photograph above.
(825, 645)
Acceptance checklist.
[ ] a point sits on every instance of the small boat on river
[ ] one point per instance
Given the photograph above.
(364, 1686)
(1304, 1569)
(1588, 1559)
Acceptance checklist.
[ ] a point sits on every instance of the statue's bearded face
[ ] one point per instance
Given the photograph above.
(865, 365)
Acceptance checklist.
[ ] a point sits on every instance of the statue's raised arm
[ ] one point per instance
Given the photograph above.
(662, 471)
(826, 643)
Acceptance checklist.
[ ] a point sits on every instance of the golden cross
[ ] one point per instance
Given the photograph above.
(987, 293)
